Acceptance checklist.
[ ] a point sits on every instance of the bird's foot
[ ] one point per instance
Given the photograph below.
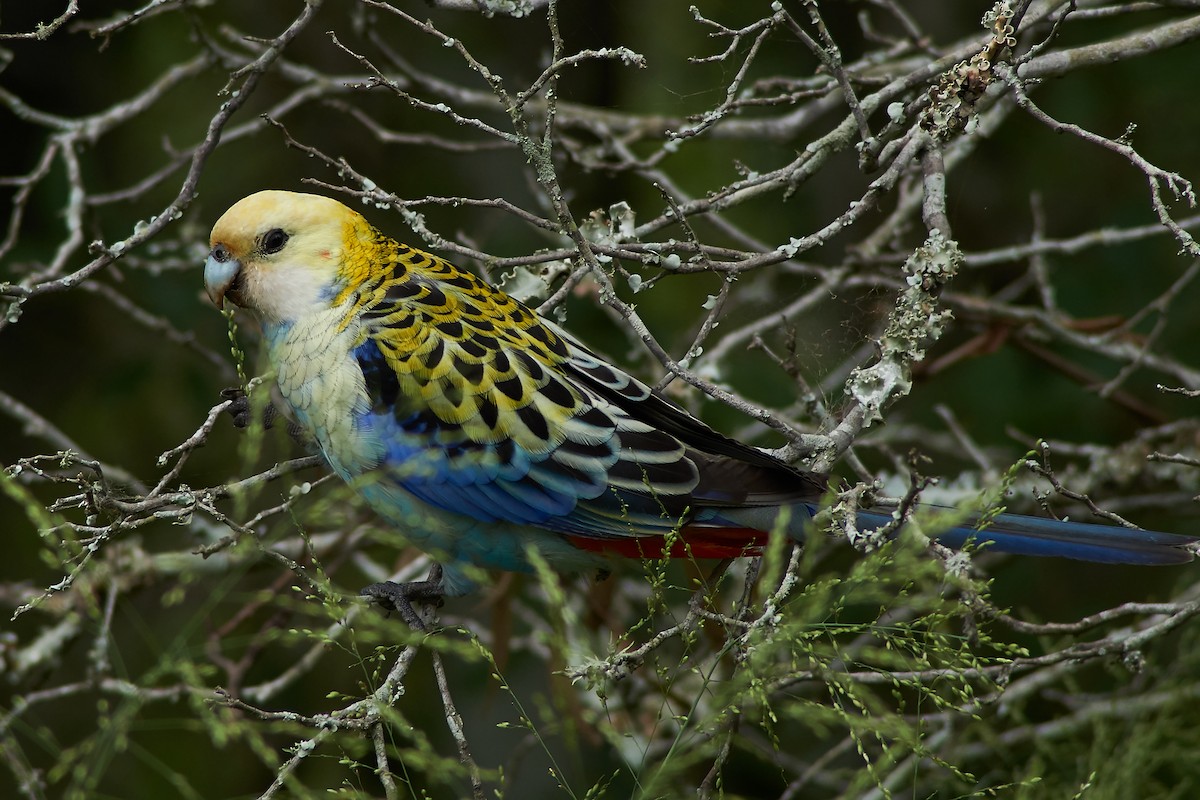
(239, 409)
(239, 406)
(399, 597)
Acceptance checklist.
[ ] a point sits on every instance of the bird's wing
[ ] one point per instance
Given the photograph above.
(485, 409)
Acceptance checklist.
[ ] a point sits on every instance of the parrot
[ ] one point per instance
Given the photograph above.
(485, 432)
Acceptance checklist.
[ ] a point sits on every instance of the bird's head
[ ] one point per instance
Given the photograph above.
(284, 254)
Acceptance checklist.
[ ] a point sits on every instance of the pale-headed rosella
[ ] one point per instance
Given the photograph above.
(481, 430)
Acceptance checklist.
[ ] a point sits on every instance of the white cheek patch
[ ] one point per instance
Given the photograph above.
(286, 292)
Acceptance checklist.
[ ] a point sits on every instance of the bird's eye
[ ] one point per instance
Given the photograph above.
(274, 240)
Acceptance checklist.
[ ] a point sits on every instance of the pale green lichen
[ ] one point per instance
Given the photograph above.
(915, 322)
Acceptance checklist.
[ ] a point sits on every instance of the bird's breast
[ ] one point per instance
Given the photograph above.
(323, 385)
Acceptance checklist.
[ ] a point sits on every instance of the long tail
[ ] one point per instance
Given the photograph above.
(1083, 541)
(728, 529)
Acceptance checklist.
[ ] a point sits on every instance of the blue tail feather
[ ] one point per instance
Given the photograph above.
(1006, 533)
(1083, 541)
